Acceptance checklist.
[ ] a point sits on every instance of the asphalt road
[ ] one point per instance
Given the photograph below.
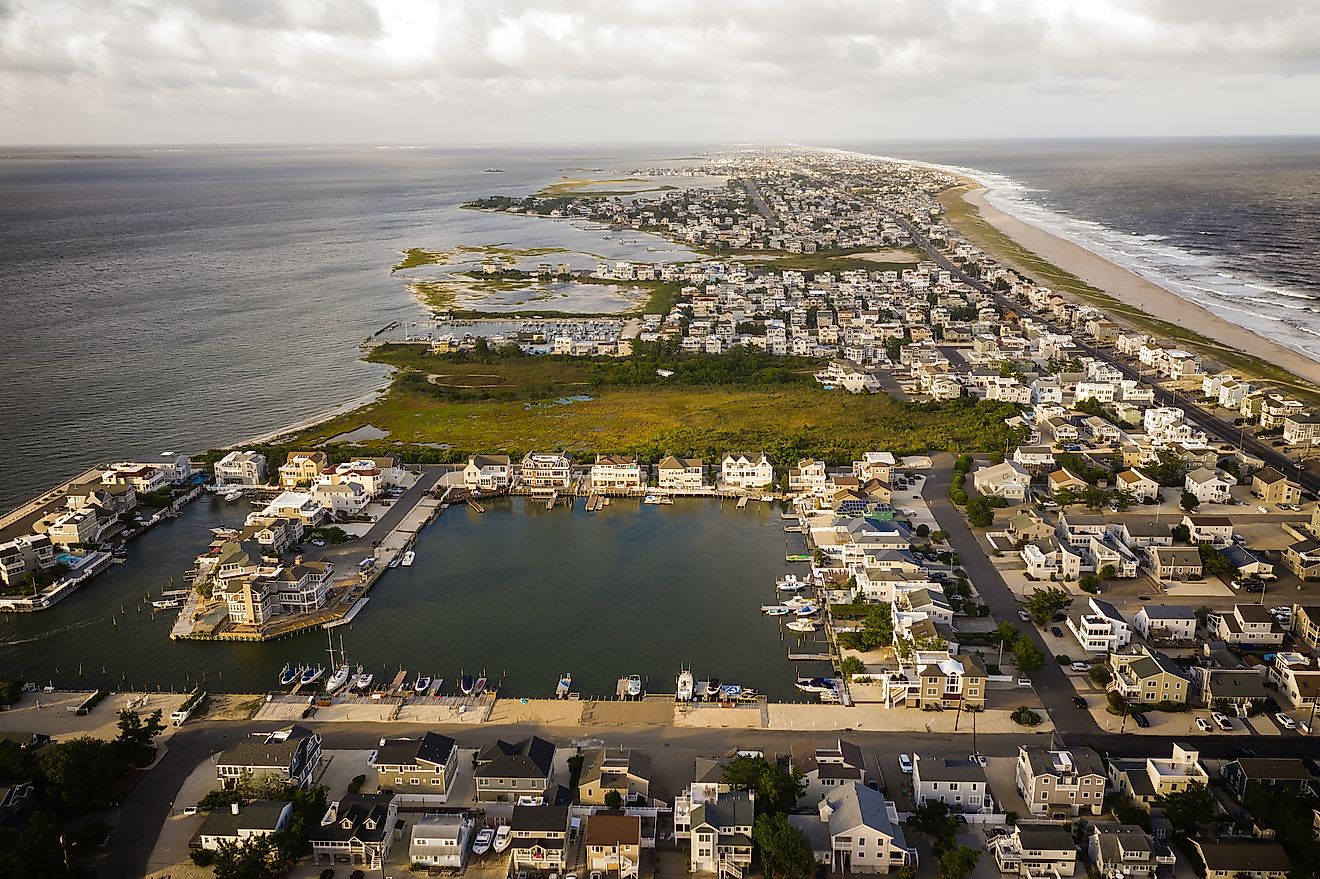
(759, 200)
(360, 547)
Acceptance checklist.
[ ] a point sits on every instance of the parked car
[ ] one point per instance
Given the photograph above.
(1080, 667)
(1024, 616)
(1222, 721)
(1079, 701)
(1203, 725)
(905, 764)
(1059, 617)
(1056, 631)
(1140, 720)
(1285, 721)
(1254, 587)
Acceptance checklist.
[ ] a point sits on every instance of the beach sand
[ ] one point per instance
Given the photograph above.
(1134, 290)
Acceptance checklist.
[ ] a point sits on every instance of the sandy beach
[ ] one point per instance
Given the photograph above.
(1137, 291)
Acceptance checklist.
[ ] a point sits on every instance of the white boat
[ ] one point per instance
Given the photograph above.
(801, 625)
(363, 680)
(730, 691)
(685, 685)
(225, 532)
(311, 675)
(634, 685)
(394, 562)
(561, 692)
(465, 685)
(422, 684)
(166, 603)
(233, 494)
(482, 843)
(712, 688)
(792, 584)
(503, 836)
(797, 601)
(480, 687)
(815, 685)
(658, 499)
(829, 696)
(289, 675)
(408, 558)
(338, 679)
(776, 610)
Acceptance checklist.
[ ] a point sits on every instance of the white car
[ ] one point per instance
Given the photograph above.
(1221, 720)
(1080, 666)
(905, 764)
(1202, 724)
(1024, 616)
(1285, 721)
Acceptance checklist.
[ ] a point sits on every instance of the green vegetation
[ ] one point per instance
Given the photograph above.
(967, 219)
(1024, 716)
(1289, 814)
(568, 187)
(777, 787)
(934, 819)
(1042, 604)
(850, 667)
(1215, 564)
(980, 512)
(785, 851)
(1189, 808)
(501, 254)
(1027, 656)
(877, 625)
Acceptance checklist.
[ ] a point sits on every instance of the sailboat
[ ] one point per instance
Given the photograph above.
(342, 671)
(311, 675)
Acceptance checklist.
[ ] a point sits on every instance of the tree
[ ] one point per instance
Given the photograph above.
(135, 735)
(1215, 563)
(1181, 533)
(1189, 501)
(933, 818)
(32, 850)
(1065, 498)
(613, 800)
(257, 857)
(785, 851)
(1189, 808)
(1042, 604)
(1095, 498)
(958, 861)
(1005, 634)
(777, 789)
(1089, 583)
(1108, 572)
(82, 774)
(1024, 716)
(1100, 675)
(851, 666)
(1027, 656)
(980, 513)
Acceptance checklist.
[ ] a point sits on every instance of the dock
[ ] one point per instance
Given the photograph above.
(348, 617)
(476, 506)
(550, 504)
(810, 657)
(742, 503)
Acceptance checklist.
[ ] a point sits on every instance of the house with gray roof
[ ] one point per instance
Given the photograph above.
(292, 754)
(721, 834)
(1111, 847)
(357, 829)
(856, 830)
(507, 771)
(1061, 784)
(1165, 622)
(1234, 690)
(238, 823)
(1033, 850)
(1238, 858)
(825, 767)
(420, 770)
(1269, 774)
(957, 782)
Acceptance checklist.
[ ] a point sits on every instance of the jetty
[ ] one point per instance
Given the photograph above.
(742, 502)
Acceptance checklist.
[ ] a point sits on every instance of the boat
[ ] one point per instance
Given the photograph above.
(479, 687)
(776, 610)
(657, 499)
(801, 625)
(494, 171)
(363, 680)
(225, 532)
(422, 684)
(797, 601)
(233, 494)
(562, 688)
(712, 688)
(167, 603)
(503, 836)
(289, 675)
(634, 688)
(685, 685)
(829, 696)
(815, 685)
(338, 679)
(792, 584)
(730, 691)
(311, 675)
(465, 684)
(394, 562)
(806, 610)
(408, 558)
(481, 844)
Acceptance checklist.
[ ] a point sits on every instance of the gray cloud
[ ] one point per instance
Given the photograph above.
(482, 70)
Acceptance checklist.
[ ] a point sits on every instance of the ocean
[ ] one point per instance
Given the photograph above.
(1232, 224)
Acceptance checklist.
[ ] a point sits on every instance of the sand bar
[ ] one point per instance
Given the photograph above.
(1134, 290)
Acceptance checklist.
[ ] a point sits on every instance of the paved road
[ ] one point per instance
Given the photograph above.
(1050, 682)
(1193, 411)
(360, 547)
(759, 200)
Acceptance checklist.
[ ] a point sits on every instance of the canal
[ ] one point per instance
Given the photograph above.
(520, 594)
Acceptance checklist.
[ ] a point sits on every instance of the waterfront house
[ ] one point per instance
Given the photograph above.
(1273, 487)
(1208, 486)
(616, 472)
(539, 838)
(1243, 859)
(239, 823)
(614, 770)
(108, 499)
(23, 556)
(1145, 781)
(241, 468)
(176, 467)
(1165, 622)
(1007, 480)
(1148, 677)
(614, 844)
(824, 768)
(856, 830)
(341, 499)
(421, 771)
(71, 528)
(488, 473)
(440, 840)
(957, 782)
(741, 471)
(300, 469)
(808, 476)
(546, 470)
(1247, 625)
(681, 474)
(356, 829)
(1035, 850)
(1061, 784)
(139, 477)
(1175, 563)
(507, 771)
(291, 754)
(1112, 847)
(721, 834)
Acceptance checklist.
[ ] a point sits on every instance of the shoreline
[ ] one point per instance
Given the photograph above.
(1133, 290)
(312, 421)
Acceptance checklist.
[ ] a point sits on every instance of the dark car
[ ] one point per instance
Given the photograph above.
(1140, 720)
(1058, 617)
(1254, 587)
(1080, 702)
(1056, 631)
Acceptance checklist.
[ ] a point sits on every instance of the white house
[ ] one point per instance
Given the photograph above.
(681, 474)
(808, 475)
(740, 471)
(1101, 628)
(1215, 530)
(238, 824)
(1007, 480)
(1139, 485)
(440, 841)
(1051, 559)
(616, 471)
(546, 470)
(957, 782)
(241, 468)
(1208, 486)
(488, 473)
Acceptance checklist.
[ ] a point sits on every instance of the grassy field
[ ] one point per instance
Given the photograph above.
(968, 220)
(536, 403)
(586, 188)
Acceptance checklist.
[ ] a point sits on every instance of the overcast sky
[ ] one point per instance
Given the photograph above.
(500, 71)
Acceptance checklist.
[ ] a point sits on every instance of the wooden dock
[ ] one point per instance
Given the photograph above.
(476, 506)
(810, 657)
(742, 503)
(550, 504)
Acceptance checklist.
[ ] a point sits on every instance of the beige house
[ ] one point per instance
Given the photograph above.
(1148, 677)
(1244, 859)
(948, 681)
(546, 470)
(621, 770)
(301, 468)
(614, 844)
(1273, 487)
(1306, 624)
(1176, 563)
(721, 834)
(539, 838)
(1036, 850)
(856, 831)
(1247, 625)
(681, 474)
(488, 473)
(1061, 784)
(420, 770)
(1111, 847)
(1145, 781)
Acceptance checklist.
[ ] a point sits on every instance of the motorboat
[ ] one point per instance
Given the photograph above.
(167, 603)
(422, 684)
(394, 562)
(408, 558)
(561, 692)
(658, 499)
(482, 843)
(224, 532)
(465, 684)
(363, 680)
(479, 687)
(289, 675)
(503, 836)
(730, 691)
(797, 601)
(815, 685)
(806, 610)
(685, 685)
(311, 675)
(233, 494)
(776, 610)
(792, 584)
(712, 688)
(634, 688)
(338, 679)
(801, 626)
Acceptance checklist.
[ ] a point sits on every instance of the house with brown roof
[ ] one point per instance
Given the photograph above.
(623, 771)
(1243, 859)
(1273, 487)
(825, 767)
(614, 843)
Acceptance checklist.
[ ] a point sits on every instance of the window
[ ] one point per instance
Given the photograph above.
(414, 781)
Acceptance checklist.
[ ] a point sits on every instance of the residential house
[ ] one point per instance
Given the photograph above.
(546, 470)
(874, 465)
(507, 771)
(824, 768)
(741, 471)
(539, 838)
(1273, 487)
(1140, 532)
(1249, 562)
(681, 474)
(616, 472)
(1303, 559)
(300, 469)
(957, 782)
(239, 823)
(1165, 622)
(1113, 848)
(614, 844)
(24, 556)
(71, 528)
(1231, 690)
(1243, 859)
(1208, 486)
(440, 840)
(1148, 677)
(1139, 485)
(1036, 850)
(1051, 559)
(356, 829)
(241, 468)
(1214, 530)
(1034, 459)
(856, 831)
(809, 475)
(488, 473)
(1061, 784)
(1064, 479)
(1101, 629)
(292, 755)
(1296, 678)
(1027, 525)
(1007, 480)
(618, 770)
(1248, 625)
(176, 467)
(1306, 624)
(1175, 563)
(420, 770)
(721, 834)
(1269, 774)
(1145, 781)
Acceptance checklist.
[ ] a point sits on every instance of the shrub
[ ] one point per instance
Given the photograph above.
(356, 784)
(1024, 716)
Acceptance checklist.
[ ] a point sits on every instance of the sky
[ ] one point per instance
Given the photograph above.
(554, 71)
